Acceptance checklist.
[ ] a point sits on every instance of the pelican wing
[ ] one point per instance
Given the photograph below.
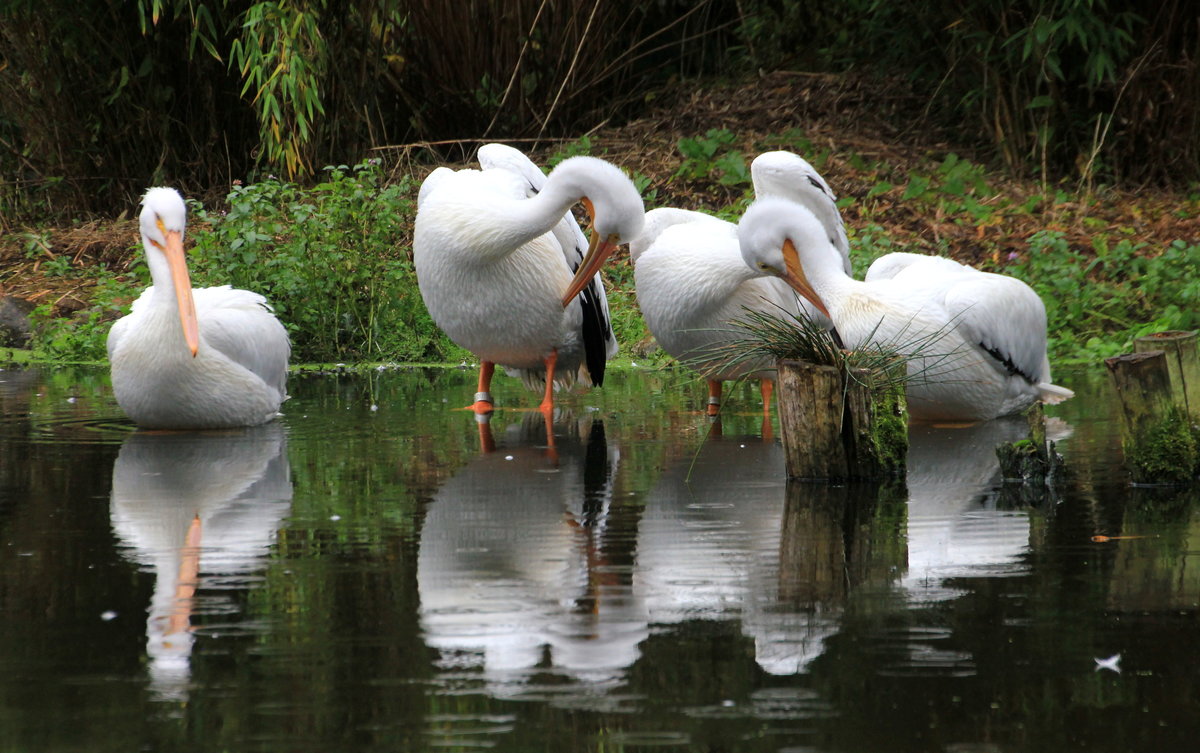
(125, 324)
(1004, 317)
(793, 177)
(240, 325)
(901, 264)
(658, 220)
(567, 232)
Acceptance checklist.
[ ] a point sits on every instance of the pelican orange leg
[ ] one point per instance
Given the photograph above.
(714, 397)
(767, 388)
(547, 406)
(483, 396)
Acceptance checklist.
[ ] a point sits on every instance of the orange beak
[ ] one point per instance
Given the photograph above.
(183, 288)
(794, 275)
(597, 253)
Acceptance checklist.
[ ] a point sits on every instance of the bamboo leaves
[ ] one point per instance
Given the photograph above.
(281, 57)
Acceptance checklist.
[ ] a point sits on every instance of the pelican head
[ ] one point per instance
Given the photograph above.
(777, 235)
(791, 176)
(613, 204)
(788, 175)
(162, 221)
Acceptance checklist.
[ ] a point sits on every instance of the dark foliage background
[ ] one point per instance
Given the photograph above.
(100, 98)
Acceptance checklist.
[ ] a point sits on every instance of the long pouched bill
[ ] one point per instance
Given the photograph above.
(794, 276)
(597, 253)
(183, 289)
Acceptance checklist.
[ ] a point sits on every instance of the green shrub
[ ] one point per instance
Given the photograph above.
(333, 260)
(82, 337)
(1097, 303)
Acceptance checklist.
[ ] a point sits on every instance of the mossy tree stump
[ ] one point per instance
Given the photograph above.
(1033, 461)
(1158, 437)
(1183, 365)
(837, 425)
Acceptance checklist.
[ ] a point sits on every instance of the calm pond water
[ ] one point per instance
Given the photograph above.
(360, 576)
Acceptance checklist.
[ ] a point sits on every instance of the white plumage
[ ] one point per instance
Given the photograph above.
(973, 363)
(497, 281)
(1005, 315)
(792, 177)
(692, 286)
(599, 341)
(194, 359)
(692, 283)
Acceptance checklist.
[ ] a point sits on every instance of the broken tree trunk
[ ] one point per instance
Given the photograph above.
(837, 426)
(1183, 365)
(1032, 461)
(1156, 434)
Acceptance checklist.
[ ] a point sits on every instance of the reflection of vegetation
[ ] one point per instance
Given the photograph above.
(1169, 452)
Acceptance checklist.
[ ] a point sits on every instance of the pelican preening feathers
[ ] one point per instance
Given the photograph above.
(497, 278)
(970, 364)
(692, 284)
(194, 359)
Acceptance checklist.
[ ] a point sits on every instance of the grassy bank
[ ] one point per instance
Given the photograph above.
(335, 258)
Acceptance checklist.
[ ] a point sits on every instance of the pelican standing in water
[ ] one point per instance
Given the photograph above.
(966, 368)
(495, 278)
(194, 359)
(599, 341)
(692, 283)
(692, 287)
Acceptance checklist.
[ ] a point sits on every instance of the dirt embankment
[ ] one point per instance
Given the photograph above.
(872, 134)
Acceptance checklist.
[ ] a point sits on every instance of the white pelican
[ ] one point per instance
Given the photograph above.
(497, 281)
(692, 283)
(194, 359)
(599, 341)
(968, 367)
(792, 177)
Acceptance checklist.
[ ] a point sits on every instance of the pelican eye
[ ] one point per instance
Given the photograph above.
(162, 229)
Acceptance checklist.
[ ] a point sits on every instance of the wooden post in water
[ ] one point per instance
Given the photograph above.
(1183, 365)
(1156, 434)
(834, 426)
(1032, 461)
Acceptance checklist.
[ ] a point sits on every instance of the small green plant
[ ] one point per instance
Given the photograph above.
(82, 336)
(58, 266)
(643, 185)
(708, 157)
(581, 146)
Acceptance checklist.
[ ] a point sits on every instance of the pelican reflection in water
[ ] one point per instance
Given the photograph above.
(513, 571)
(195, 509)
(956, 528)
(709, 548)
(529, 566)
